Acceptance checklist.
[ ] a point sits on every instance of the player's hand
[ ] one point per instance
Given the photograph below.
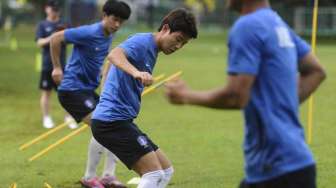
(144, 77)
(57, 75)
(176, 91)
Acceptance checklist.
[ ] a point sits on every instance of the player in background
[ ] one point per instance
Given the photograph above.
(45, 29)
(81, 78)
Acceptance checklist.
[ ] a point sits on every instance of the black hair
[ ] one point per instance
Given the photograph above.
(117, 8)
(181, 20)
(54, 4)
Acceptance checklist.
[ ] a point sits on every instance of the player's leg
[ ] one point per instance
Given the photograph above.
(45, 108)
(166, 166)
(150, 170)
(158, 168)
(71, 122)
(46, 86)
(95, 151)
(132, 147)
(80, 104)
(109, 178)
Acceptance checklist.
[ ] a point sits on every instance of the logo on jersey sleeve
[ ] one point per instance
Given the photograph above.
(284, 38)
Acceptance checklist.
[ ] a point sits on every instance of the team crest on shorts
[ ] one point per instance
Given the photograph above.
(142, 141)
(88, 103)
(45, 83)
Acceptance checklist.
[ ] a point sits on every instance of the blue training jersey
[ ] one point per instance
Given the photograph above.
(83, 70)
(121, 95)
(45, 29)
(261, 44)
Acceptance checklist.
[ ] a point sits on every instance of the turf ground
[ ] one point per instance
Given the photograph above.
(204, 145)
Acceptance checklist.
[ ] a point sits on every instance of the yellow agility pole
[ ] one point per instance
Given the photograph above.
(59, 142)
(158, 78)
(46, 185)
(13, 185)
(153, 87)
(311, 98)
(44, 135)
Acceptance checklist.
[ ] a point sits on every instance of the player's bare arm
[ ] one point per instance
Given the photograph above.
(311, 76)
(55, 52)
(104, 72)
(233, 96)
(41, 42)
(118, 57)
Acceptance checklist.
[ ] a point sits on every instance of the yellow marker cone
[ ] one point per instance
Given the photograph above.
(13, 185)
(134, 181)
(46, 185)
(13, 44)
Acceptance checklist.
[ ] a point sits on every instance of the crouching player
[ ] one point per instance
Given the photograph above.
(132, 65)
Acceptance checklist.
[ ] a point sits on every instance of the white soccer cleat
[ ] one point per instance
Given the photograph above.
(48, 122)
(71, 122)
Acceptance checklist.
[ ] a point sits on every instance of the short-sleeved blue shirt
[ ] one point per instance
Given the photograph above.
(90, 47)
(261, 44)
(121, 95)
(45, 29)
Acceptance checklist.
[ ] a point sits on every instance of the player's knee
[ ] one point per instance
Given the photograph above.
(151, 179)
(168, 173)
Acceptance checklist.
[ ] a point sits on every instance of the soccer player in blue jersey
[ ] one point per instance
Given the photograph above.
(45, 29)
(133, 62)
(271, 70)
(81, 77)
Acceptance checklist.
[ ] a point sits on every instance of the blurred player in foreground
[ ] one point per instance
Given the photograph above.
(271, 70)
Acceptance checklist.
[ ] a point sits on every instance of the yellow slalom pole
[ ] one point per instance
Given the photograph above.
(153, 87)
(59, 142)
(13, 185)
(46, 185)
(158, 78)
(311, 98)
(42, 136)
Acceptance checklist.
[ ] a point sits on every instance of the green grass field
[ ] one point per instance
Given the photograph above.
(204, 145)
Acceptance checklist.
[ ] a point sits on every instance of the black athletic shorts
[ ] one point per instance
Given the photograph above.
(46, 81)
(78, 103)
(304, 178)
(124, 139)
